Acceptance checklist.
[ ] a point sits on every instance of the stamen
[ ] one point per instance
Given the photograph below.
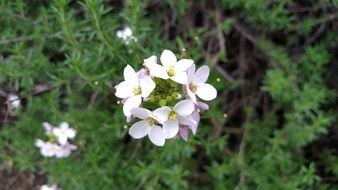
(151, 121)
(171, 71)
(137, 90)
(193, 87)
(172, 115)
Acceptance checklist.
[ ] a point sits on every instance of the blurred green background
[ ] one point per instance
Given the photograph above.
(274, 64)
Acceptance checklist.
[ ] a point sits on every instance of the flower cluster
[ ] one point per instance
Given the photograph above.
(126, 35)
(58, 144)
(170, 90)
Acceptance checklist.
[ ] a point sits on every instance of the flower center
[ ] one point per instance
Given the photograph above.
(151, 121)
(137, 90)
(171, 71)
(172, 115)
(193, 87)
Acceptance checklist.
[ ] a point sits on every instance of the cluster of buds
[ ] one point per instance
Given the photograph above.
(58, 143)
(164, 97)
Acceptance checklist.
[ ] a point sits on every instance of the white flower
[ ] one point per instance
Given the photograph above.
(65, 150)
(147, 126)
(171, 69)
(47, 187)
(13, 100)
(63, 133)
(126, 34)
(133, 89)
(47, 149)
(173, 117)
(196, 84)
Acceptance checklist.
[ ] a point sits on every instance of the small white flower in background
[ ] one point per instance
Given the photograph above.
(170, 68)
(149, 125)
(65, 150)
(47, 149)
(63, 133)
(14, 103)
(133, 89)
(161, 87)
(126, 34)
(47, 187)
(196, 84)
(58, 144)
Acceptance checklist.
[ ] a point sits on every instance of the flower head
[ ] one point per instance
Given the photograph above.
(196, 84)
(170, 68)
(133, 89)
(47, 149)
(173, 117)
(126, 34)
(64, 132)
(149, 125)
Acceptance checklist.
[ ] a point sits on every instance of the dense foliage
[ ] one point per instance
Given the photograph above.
(274, 64)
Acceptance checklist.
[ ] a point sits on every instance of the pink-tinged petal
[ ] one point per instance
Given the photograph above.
(190, 73)
(124, 89)
(184, 132)
(142, 73)
(168, 58)
(206, 92)
(130, 75)
(183, 64)
(156, 135)
(156, 70)
(191, 95)
(129, 118)
(196, 118)
(39, 143)
(150, 61)
(180, 77)
(48, 128)
(201, 75)
(170, 128)
(147, 86)
(185, 120)
(64, 126)
(132, 102)
(184, 107)
(162, 113)
(139, 129)
(141, 113)
(202, 106)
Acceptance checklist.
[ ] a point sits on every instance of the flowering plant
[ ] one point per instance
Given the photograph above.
(163, 96)
(58, 144)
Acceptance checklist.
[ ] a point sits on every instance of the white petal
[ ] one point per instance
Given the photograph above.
(206, 92)
(191, 95)
(139, 129)
(195, 117)
(190, 73)
(184, 64)
(156, 135)
(64, 126)
(132, 102)
(185, 120)
(39, 143)
(119, 34)
(162, 113)
(168, 58)
(184, 107)
(170, 128)
(141, 113)
(57, 131)
(62, 139)
(130, 75)
(127, 31)
(71, 133)
(147, 86)
(124, 89)
(157, 70)
(201, 75)
(151, 60)
(180, 77)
